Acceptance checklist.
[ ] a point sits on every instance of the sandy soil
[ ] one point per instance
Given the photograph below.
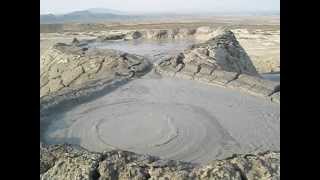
(263, 47)
(251, 22)
(174, 119)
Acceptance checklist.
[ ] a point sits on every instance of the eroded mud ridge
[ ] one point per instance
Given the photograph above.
(72, 66)
(106, 100)
(220, 60)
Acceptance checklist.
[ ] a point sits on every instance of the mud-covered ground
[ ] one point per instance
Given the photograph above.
(168, 117)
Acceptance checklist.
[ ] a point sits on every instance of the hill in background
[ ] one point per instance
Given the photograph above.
(95, 15)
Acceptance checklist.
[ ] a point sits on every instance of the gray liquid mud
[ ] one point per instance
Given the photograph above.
(271, 76)
(174, 119)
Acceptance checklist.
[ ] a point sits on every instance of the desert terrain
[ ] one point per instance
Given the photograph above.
(187, 99)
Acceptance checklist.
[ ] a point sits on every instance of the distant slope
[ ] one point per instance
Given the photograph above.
(105, 10)
(91, 15)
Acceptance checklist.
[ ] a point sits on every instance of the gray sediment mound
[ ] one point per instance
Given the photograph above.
(220, 60)
(73, 162)
(70, 66)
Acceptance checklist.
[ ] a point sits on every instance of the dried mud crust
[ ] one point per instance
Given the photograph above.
(71, 66)
(73, 162)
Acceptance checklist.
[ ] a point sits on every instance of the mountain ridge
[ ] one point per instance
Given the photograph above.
(94, 15)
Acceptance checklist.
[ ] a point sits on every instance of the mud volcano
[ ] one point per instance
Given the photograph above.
(204, 103)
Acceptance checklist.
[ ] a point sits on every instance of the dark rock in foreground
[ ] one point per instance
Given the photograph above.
(73, 162)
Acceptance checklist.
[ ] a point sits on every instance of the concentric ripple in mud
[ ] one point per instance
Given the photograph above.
(175, 119)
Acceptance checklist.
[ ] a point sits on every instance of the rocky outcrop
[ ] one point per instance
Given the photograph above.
(67, 162)
(275, 97)
(75, 65)
(133, 35)
(168, 33)
(111, 37)
(220, 60)
(73, 162)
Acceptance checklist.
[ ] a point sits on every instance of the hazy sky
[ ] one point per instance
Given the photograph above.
(64, 6)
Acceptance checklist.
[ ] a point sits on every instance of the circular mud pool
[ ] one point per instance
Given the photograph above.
(175, 119)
